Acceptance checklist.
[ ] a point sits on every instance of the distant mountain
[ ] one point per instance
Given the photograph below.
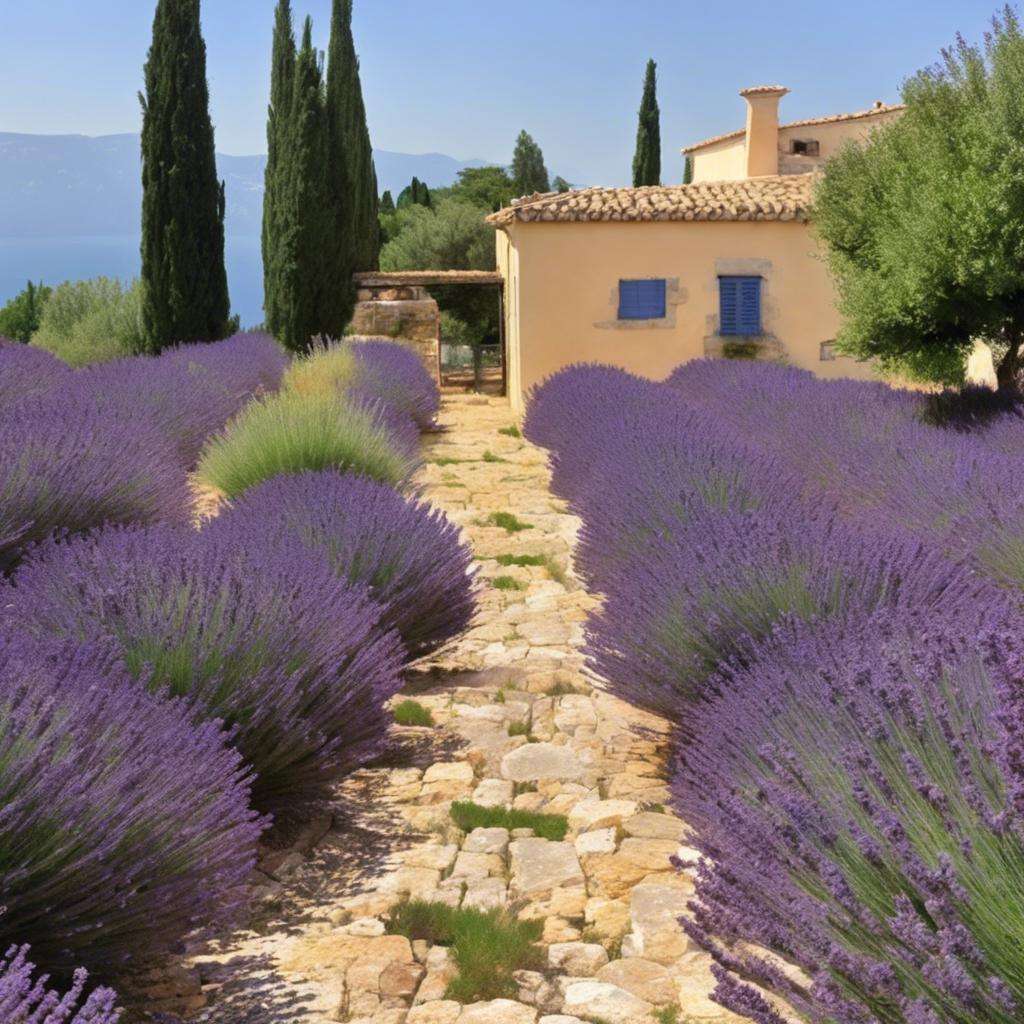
(74, 185)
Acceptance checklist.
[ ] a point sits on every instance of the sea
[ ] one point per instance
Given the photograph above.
(53, 260)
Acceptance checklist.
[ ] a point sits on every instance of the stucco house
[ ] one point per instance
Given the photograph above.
(647, 278)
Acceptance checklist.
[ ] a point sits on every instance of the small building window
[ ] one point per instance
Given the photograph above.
(642, 300)
(804, 147)
(828, 351)
(739, 305)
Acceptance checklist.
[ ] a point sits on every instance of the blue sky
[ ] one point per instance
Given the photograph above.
(463, 76)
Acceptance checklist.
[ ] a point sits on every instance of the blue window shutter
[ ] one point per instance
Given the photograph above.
(642, 300)
(739, 305)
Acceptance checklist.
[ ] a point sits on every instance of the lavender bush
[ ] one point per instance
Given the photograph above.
(291, 657)
(125, 825)
(394, 374)
(26, 371)
(568, 404)
(856, 796)
(696, 598)
(67, 466)
(409, 554)
(25, 999)
(190, 392)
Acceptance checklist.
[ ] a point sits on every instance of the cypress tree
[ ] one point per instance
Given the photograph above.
(305, 300)
(282, 83)
(387, 204)
(185, 287)
(647, 159)
(528, 171)
(415, 193)
(688, 170)
(354, 203)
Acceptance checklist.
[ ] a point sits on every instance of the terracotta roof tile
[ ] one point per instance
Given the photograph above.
(776, 197)
(884, 108)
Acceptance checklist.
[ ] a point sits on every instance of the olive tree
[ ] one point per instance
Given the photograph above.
(924, 226)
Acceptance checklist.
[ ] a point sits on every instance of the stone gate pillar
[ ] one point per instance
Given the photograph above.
(405, 313)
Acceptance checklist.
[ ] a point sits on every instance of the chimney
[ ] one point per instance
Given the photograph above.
(763, 129)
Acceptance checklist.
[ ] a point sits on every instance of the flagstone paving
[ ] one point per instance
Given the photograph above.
(607, 894)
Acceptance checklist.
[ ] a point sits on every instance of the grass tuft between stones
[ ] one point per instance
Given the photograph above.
(411, 712)
(507, 521)
(512, 431)
(468, 816)
(507, 583)
(488, 946)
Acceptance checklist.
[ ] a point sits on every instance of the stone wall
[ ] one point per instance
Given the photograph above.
(406, 313)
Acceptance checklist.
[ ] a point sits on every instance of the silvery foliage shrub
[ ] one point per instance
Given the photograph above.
(25, 998)
(293, 659)
(410, 556)
(126, 824)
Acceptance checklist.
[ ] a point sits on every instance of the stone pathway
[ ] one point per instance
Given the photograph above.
(608, 895)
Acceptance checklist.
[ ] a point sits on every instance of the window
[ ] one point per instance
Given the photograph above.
(739, 305)
(828, 351)
(804, 147)
(642, 300)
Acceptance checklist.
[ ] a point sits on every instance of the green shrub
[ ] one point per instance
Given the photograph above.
(92, 321)
(488, 947)
(327, 369)
(468, 816)
(518, 728)
(291, 432)
(411, 712)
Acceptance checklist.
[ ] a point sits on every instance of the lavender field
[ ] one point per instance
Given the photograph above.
(175, 688)
(820, 585)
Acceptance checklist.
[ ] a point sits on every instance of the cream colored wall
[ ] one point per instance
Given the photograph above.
(830, 137)
(727, 160)
(564, 294)
(508, 267)
(723, 161)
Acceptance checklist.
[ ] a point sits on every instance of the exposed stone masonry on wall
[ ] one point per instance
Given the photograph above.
(608, 895)
(404, 313)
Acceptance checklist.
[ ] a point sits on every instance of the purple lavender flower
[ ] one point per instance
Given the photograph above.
(67, 466)
(26, 371)
(412, 558)
(25, 999)
(188, 393)
(292, 658)
(803, 788)
(125, 825)
(566, 405)
(395, 374)
(695, 597)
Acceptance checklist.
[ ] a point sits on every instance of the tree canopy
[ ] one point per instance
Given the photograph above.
(19, 318)
(924, 226)
(528, 171)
